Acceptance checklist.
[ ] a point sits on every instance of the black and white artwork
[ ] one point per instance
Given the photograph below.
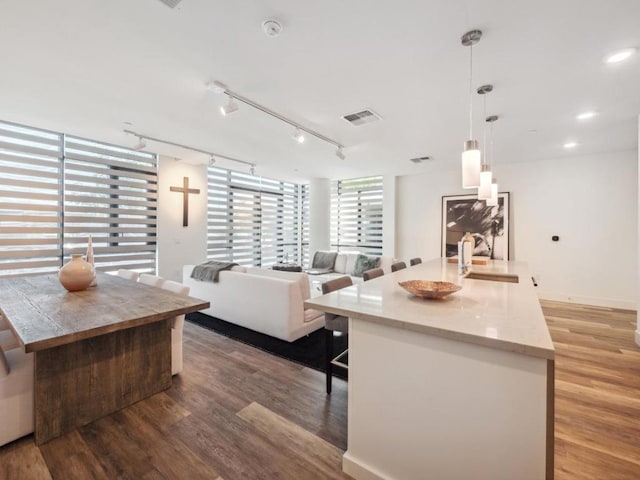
(488, 225)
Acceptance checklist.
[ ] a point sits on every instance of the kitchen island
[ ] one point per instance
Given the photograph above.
(458, 388)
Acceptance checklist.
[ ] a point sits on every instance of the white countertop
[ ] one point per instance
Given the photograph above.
(495, 314)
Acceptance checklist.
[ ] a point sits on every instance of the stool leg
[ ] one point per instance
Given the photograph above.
(328, 340)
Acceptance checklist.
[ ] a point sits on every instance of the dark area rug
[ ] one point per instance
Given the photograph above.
(308, 350)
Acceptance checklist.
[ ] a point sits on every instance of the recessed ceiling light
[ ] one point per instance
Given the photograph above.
(586, 115)
(620, 55)
(570, 145)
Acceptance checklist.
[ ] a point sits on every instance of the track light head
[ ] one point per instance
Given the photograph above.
(298, 136)
(340, 153)
(141, 144)
(216, 87)
(230, 107)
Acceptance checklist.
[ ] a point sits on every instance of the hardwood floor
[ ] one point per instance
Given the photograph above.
(597, 429)
(240, 413)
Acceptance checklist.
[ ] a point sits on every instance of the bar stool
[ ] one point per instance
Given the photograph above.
(398, 266)
(371, 274)
(333, 323)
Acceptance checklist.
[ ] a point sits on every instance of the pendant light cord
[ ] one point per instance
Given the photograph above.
(484, 132)
(471, 92)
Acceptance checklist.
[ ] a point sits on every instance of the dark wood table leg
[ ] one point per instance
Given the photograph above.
(80, 382)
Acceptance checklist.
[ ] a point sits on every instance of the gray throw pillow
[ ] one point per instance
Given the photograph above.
(324, 259)
(364, 263)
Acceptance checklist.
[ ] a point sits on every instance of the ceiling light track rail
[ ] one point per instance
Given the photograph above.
(193, 149)
(282, 118)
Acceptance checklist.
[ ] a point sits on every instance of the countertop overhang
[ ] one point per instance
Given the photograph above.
(494, 314)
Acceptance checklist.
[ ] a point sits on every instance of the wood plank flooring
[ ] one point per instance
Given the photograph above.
(240, 413)
(597, 417)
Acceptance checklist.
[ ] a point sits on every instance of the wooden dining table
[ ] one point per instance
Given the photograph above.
(95, 351)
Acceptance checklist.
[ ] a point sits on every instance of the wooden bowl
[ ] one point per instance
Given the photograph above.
(429, 288)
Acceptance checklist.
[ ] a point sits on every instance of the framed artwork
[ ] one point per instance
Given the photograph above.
(488, 225)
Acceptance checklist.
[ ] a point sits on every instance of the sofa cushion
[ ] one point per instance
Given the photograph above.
(364, 263)
(300, 278)
(323, 259)
(341, 263)
(351, 262)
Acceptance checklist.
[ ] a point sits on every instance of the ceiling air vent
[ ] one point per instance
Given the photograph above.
(171, 3)
(361, 118)
(419, 160)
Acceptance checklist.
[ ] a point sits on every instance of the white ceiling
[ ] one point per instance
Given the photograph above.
(86, 66)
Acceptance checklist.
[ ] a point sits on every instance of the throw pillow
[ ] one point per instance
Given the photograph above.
(364, 263)
(324, 259)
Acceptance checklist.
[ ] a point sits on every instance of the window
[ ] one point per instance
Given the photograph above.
(252, 220)
(56, 190)
(110, 193)
(30, 200)
(356, 215)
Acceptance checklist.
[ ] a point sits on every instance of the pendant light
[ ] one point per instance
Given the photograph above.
(484, 190)
(492, 201)
(471, 153)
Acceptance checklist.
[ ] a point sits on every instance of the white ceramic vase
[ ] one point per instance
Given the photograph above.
(77, 274)
(91, 261)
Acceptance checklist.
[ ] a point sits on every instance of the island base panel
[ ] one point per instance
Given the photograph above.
(442, 409)
(80, 382)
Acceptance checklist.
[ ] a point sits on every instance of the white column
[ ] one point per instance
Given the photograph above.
(319, 215)
(638, 296)
(389, 215)
(178, 245)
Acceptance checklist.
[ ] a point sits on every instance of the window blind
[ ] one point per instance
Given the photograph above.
(252, 220)
(356, 215)
(30, 200)
(304, 225)
(110, 193)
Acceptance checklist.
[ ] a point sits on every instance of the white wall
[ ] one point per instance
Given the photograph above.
(178, 245)
(319, 215)
(638, 270)
(591, 202)
(389, 215)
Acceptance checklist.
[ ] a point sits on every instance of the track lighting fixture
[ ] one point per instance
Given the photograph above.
(230, 107)
(141, 144)
(340, 153)
(212, 155)
(298, 136)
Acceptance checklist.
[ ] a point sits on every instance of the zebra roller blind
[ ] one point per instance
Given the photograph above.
(356, 215)
(252, 220)
(110, 193)
(56, 190)
(30, 200)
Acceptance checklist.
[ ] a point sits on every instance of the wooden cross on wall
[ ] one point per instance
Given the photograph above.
(185, 190)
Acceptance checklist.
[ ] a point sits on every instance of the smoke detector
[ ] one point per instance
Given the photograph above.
(271, 28)
(362, 117)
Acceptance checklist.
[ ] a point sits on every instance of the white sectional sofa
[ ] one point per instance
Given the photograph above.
(267, 301)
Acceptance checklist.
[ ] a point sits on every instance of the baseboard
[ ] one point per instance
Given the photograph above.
(595, 301)
(638, 337)
(360, 470)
